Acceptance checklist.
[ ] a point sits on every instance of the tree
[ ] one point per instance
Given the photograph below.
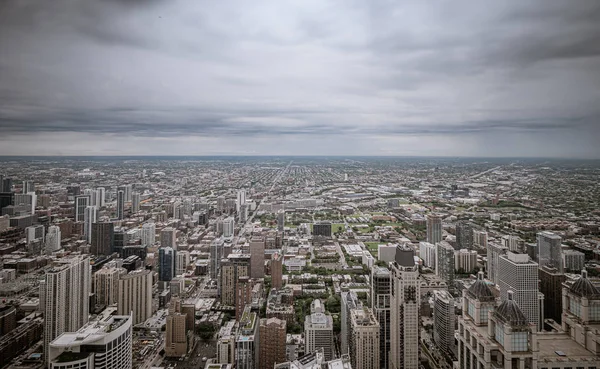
(206, 331)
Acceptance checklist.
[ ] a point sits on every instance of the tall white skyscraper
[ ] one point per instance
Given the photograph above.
(65, 294)
(404, 332)
(135, 202)
(427, 253)
(100, 197)
(549, 250)
(241, 199)
(517, 272)
(434, 228)
(148, 236)
(228, 227)
(90, 215)
(53, 239)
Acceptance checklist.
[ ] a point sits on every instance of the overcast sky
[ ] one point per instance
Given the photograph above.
(348, 77)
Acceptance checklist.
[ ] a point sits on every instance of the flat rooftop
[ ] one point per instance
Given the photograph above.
(550, 343)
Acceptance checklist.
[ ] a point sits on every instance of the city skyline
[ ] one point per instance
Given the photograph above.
(315, 78)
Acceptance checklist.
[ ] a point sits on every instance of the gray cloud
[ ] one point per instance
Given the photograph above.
(362, 73)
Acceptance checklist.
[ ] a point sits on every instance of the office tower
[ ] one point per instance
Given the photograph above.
(228, 227)
(103, 343)
(480, 239)
(380, 301)
(465, 261)
(427, 254)
(28, 186)
(551, 280)
(257, 257)
(243, 213)
(182, 262)
(272, 342)
(549, 250)
(280, 220)
(135, 295)
(166, 264)
(28, 199)
(464, 235)
(91, 194)
(6, 199)
(233, 268)
(434, 228)
(445, 262)
(443, 321)
(33, 233)
(364, 339)
(65, 294)
(405, 301)
(81, 202)
(176, 333)
(52, 239)
(89, 219)
(168, 237)
(148, 236)
(230, 205)
(247, 343)
(100, 197)
(322, 229)
(518, 273)
(277, 271)
(573, 260)
(128, 192)
(241, 200)
(220, 204)
(7, 185)
(216, 255)
(103, 238)
(318, 330)
(120, 205)
(349, 302)
(513, 243)
(135, 202)
(106, 285)
(494, 250)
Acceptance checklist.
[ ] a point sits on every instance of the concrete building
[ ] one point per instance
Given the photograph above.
(103, 343)
(349, 302)
(81, 202)
(176, 343)
(277, 271)
(434, 228)
(549, 250)
(465, 260)
(573, 260)
(464, 235)
(405, 302)
(182, 262)
(427, 254)
(106, 285)
(241, 199)
(226, 343)
(120, 205)
(280, 220)
(64, 297)
(444, 321)
(272, 342)
(135, 202)
(148, 234)
(445, 262)
(257, 257)
(247, 343)
(232, 269)
(216, 255)
(168, 237)
(100, 197)
(518, 273)
(381, 303)
(103, 238)
(551, 280)
(228, 227)
(318, 330)
(513, 243)
(90, 215)
(53, 239)
(494, 250)
(135, 295)
(364, 339)
(480, 239)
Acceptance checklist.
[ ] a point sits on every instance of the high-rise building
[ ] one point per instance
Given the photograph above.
(318, 330)
(280, 220)
(81, 202)
(228, 227)
(220, 204)
(243, 214)
(445, 262)
(166, 264)
(65, 294)
(103, 238)
(53, 239)
(480, 239)
(434, 228)
(427, 254)
(444, 321)
(233, 268)
(120, 205)
(257, 257)
(106, 285)
(7, 184)
(33, 233)
(28, 186)
(349, 302)
(100, 197)
(182, 262)
(277, 271)
(518, 273)
(90, 214)
(549, 250)
(573, 260)
(551, 280)
(103, 343)
(135, 202)
(364, 339)
(241, 199)
(494, 250)
(135, 295)
(464, 235)
(247, 344)
(381, 303)
(168, 237)
(272, 342)
(405, 301)
(465, 260)
(226, 343)
(513, 243)
(216, 255)
(176, 343)
(323, 229)
(148, 236)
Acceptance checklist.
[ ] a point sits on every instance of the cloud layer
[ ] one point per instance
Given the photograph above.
(311, 77)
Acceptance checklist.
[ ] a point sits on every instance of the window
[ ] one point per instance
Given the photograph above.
(499, 334)
(575, 307)
(519, 341)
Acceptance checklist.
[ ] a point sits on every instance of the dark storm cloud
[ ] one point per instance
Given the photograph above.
(314, 68)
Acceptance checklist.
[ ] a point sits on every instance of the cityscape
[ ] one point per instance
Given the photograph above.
(299, 262)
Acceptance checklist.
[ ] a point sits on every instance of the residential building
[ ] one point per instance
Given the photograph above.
(349, 302)
(445, 262)
(53, 239)
(322, 229)
(135, 295)
(120, 204)
(465, 260)
(318, 330)
(494, 250)
(247, 344)
(444, 321)
(364, 339)
(166, 264)
(272, 342)
(148, 235)
(427, 254)
(89, 218)
(168, 237)
(573, 260)
(106, 284)
(464, 235)
(135, 202)
(434, 228)
(257, 257)
(277, 271)
(549, 250)
(381, 303)
(103, 238)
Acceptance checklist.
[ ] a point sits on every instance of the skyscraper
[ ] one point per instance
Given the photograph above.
(272, 342)
(280, 220)
(233, 268)
(148, 236)
(166, 264)
(135, 295)
(100, 197)
(53, 238)
(277, 271)
(120, 205)
(228, 227)
(168, 237)
(480, 239)
(257, 257)
(464, 235)
(182, 261)
(349, 302)
(381, 303)
(247, 341)
(106, 285)
(216, 255)
(445, 262)
(103, 238)
(434, 228)
(89, 218)
(81, 202)
(318, 330)
(443, 321)
(241, 199)
(549, 250)
(518, 273)
(135, 202)
(404, 345)
(494, 250)
(176, 332)
(28, 186)
(65, 294)
(427, 254)
(364, 339)
(551, 280)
